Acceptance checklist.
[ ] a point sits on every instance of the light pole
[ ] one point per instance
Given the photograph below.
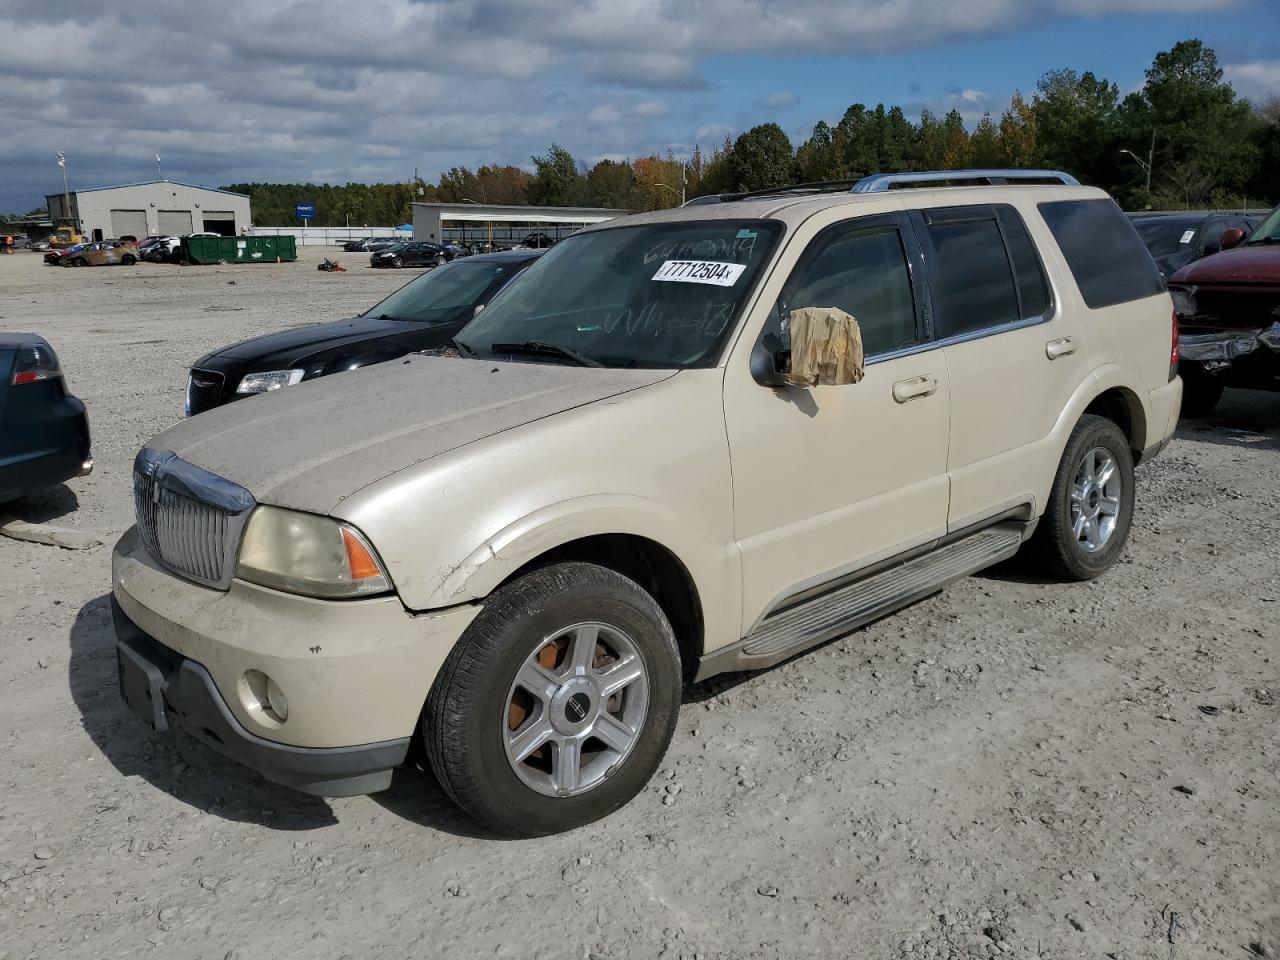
(66, 192)
(1147, 164)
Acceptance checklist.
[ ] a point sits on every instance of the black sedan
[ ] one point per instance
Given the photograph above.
(1177, 239)
(414, 253)
(44, 432)
(353, 246)
(426, 312)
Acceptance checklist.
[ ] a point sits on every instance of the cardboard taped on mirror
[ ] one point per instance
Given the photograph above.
(826, 347)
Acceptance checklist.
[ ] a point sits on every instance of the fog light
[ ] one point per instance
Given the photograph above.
(276, 701)
(263, 697)
(86, 468)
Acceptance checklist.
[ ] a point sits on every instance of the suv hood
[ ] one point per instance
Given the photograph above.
(1259, 263)
(313, 445)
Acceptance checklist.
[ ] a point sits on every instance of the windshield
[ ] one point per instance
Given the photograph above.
(1166, 237)
(447, 293)
(659, 295)
(1269, 232)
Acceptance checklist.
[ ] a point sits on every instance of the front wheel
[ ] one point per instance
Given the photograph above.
(397, 262)
(558, 703)
(1086, 521)
(128, 260)
(79, 262)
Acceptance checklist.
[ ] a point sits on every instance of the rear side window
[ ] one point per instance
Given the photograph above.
(1103, 250)
(984, 272)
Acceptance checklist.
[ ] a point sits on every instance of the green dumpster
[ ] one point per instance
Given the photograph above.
(240, 249)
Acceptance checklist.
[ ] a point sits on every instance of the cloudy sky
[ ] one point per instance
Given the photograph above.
(367, 90)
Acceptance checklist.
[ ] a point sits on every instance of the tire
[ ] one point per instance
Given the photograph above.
(1200, 395)
(79, 262)
(1059, 548)
(128, 260)
(397, 262)
(477, 706)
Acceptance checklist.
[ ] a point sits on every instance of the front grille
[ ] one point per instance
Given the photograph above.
(191, 520)
(204, 391)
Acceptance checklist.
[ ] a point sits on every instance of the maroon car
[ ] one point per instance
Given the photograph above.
(1229, 315)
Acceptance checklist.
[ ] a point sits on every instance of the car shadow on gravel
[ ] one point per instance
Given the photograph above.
(177, 764)
(416, 796)
(1248, 419)
(45, 506)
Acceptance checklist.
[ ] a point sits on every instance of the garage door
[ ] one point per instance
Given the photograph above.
(129, 223)
(220, 221)
(175, 223)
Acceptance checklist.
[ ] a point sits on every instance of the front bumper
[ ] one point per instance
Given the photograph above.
(1235, 358)
(353, 671)
(165, 689)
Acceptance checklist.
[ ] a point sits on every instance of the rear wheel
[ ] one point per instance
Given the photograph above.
(128, 260)
(1086, 521)
(79, 262)
(557, 705)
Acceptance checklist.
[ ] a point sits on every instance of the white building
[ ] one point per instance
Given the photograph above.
(508, 225)
(156, 207)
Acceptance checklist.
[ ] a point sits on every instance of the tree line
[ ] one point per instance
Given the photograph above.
(1185, 139)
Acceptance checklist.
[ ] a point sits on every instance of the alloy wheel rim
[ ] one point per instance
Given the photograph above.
(1096, 499)
(575, 709)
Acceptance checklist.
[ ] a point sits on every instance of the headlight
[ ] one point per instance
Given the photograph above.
(268, 380)
(309, 554)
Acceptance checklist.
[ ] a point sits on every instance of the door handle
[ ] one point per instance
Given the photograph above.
(1059, 348)
(914, 388)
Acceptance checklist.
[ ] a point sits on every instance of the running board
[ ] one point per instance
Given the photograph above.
(784, 634)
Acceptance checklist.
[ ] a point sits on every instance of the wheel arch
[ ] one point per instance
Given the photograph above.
(1121, 406)
(696, 580)
(649, 563)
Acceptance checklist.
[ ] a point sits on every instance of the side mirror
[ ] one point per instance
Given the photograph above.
(1231, 238)
(764, 367)
(476, 312)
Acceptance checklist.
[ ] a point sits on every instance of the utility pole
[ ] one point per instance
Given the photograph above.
(66, 191)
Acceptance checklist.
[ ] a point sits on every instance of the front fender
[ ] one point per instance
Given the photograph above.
(714, 570)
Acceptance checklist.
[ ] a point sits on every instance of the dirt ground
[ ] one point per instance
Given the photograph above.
(1012, 768)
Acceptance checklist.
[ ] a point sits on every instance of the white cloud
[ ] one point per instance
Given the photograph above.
(778, 100)
(1258, 81)
(605, 113)
(245, 90)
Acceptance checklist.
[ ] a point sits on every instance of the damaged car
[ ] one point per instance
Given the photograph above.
(1229, 316)
(683, 443)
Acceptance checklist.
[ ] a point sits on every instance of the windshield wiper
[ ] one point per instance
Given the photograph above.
(542, 348)
(462, 348)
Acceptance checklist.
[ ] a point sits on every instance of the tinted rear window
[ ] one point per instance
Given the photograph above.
(973, 283)
(1033, 288)
(1105, 254)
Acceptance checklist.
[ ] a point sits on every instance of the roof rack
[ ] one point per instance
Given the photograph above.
(880, 182)
(817, 186)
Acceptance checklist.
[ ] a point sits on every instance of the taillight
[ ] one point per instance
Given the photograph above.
(1175, 354)
(33, 364)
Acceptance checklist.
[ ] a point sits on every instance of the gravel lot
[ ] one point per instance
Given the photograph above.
(1012, 768)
